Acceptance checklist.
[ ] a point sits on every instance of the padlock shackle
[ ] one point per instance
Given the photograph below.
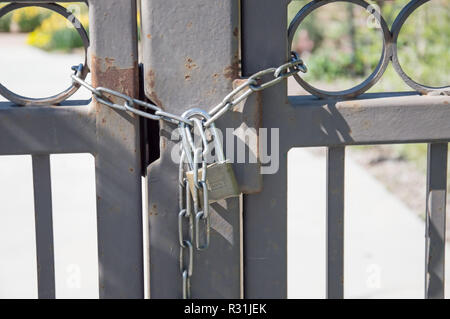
(212, 127)
(217, 143)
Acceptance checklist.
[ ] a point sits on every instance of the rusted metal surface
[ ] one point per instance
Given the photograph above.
(108, 74)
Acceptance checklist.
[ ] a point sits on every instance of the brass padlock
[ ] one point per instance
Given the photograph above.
(220, 179)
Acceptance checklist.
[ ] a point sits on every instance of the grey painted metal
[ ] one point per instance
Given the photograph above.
(44, 226)
(385, 118)
(435, 220)
(191, 57)
(43, 130)
(40, 1)
(112, 137)
(265, 217)
(307, 121)
(335, 221)
(119, 212)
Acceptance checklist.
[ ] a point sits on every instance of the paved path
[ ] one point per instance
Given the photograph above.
(384, 251)
(384, 240)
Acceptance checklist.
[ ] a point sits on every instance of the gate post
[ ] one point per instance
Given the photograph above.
(191, 58)
(264, 44)
(113, 33)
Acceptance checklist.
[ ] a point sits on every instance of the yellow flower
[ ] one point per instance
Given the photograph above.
(44, 36)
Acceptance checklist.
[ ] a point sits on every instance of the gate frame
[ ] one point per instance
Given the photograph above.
(88, 127)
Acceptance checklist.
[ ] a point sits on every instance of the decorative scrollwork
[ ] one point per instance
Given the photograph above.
(389, 53)
(56, 99)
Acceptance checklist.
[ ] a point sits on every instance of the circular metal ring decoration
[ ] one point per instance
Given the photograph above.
(52, 100)
(366, 84)
(396, 29)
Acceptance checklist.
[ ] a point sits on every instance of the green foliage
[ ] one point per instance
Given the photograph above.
(64, 39)
(55, 33)
(5, 23)
(424, 43)
(29, 18)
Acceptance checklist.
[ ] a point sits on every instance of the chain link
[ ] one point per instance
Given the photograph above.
(253, 84)
(185, 206)
(190, 204)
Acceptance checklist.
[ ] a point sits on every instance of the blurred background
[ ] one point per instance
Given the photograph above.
(385, 194)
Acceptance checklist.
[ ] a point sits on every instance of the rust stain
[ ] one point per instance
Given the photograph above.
(154, 98)
(131, 169)
(236, 32)
(151, 78)
(187, 77)
(153, 210)
(446, 102)
(189, 25)
(149, 36)
(351, 104)
(103, 121)
(232, 71)
(105, 73)
(110, 61)
(190, 64)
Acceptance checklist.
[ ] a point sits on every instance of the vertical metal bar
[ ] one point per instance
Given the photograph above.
(264, 44)
(113, 32)
(44, 226)
(335, 222)
(200, 73)
(435, 220)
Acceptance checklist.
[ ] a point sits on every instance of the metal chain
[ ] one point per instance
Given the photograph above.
(185, 201)
(185, 206)
(252, 84)
(192, 155)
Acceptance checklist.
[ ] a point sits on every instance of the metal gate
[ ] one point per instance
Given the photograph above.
(88, 127)
(194, 53)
